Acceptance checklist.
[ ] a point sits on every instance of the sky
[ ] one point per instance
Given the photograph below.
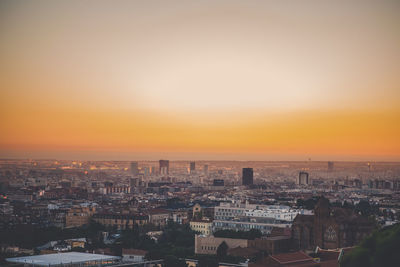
(244, 80)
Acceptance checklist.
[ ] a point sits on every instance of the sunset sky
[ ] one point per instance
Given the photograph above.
(244, 80)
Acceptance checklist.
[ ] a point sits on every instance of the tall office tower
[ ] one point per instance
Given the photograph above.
(134, 168)
(247, 176)
(205, 170)
(303, 178)
(330, 166)
(153, 170)
(192, 167)
(146, 171)
(164, 166)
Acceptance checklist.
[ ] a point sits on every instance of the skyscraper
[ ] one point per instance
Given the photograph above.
(303, 178)
(134, 168)
(192, 166)
(164, 166)
(247, 176)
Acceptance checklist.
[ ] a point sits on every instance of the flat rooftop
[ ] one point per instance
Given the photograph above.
(62, 258)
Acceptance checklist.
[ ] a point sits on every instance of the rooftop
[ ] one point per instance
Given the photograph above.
(290, 258)
(132, 251)
(61, 258)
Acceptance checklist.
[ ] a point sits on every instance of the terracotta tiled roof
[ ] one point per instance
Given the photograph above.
(328, 255)
(292, 257)
(242, 252)
(330, 263)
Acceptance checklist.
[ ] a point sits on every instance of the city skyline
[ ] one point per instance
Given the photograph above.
(218, 80)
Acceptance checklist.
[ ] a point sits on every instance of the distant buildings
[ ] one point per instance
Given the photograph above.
(78, 216)
(205, 170)
(303, 178)
(218, 182)
(164, 167)
(192, 167)
(117, 190)
(134, 168)
(247, 176)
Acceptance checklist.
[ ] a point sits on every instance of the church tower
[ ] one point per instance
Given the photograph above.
(322, 213)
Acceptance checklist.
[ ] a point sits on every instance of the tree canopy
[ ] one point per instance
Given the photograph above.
(380, 249)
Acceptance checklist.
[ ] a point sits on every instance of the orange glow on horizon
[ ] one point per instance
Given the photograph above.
(365, 134)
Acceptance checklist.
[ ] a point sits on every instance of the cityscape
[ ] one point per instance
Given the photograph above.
(212, 133)
(135, 212)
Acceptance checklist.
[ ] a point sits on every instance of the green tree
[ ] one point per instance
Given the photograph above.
(172, 261)
(364, 208)
(222, 250)
(208, 261)
(380, 249)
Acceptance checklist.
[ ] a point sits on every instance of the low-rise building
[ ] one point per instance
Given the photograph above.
(159, 217)
(121, 221)
(78, 216)
(209, 244)
(202, 226)
(133, 255)
(270, 245)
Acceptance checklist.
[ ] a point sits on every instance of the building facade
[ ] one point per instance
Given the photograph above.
(247, 176)
(202, 226)
(330, 228)
(120, 221)
(78, 216)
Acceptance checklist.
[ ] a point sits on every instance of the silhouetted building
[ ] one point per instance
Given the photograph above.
(192, 166)
(330, 228)
(247, 176)
(134, 168)
(303, 178)
(164, 166)
(205, 170)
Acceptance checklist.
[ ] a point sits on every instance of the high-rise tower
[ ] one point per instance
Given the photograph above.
(164, 166)
(134, 168)
(247, 176)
